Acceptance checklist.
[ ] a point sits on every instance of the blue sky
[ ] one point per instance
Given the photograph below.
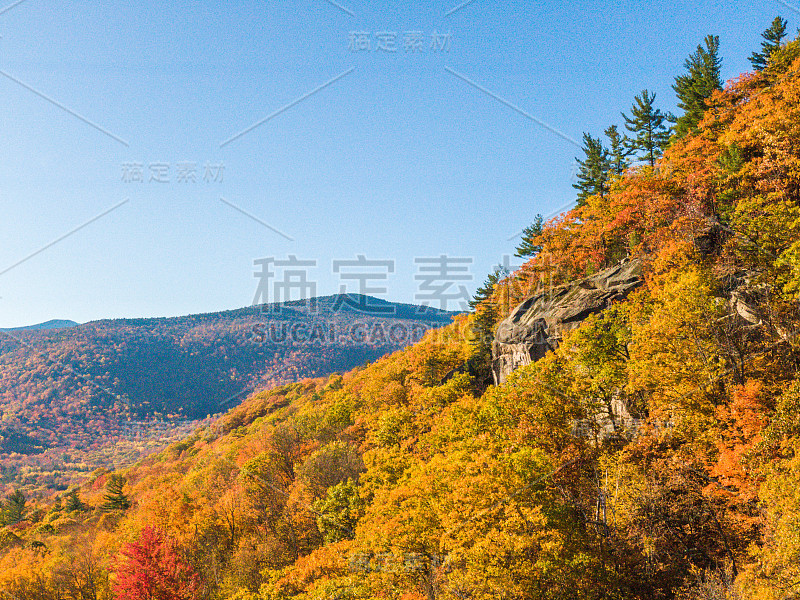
(402, 155)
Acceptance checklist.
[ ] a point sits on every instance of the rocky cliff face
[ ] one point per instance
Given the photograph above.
(538, 324)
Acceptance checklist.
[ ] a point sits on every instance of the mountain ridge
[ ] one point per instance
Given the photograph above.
(47, 325)
(420, 311)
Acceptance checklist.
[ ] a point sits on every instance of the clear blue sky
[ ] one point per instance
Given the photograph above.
(399, 158)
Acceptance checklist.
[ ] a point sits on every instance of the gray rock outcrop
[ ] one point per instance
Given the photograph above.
(538, 324)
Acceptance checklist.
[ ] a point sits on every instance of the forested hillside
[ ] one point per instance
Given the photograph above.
(95, 394)
(650, 452)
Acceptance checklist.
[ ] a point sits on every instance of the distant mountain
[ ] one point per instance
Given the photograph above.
(78, 391)
(54, 324)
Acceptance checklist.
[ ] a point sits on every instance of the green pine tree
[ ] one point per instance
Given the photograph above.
(772, 41)
(14, 508)
(484, 293)
(485, 320)
(527, 248)
(592, 170)
(619, 150)
(694, 88)
(73, 502)
(115, 498)
(646, 123)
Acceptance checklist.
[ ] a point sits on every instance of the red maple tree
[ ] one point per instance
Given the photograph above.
(151, 568)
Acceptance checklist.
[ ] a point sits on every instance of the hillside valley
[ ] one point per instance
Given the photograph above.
(101, 393)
